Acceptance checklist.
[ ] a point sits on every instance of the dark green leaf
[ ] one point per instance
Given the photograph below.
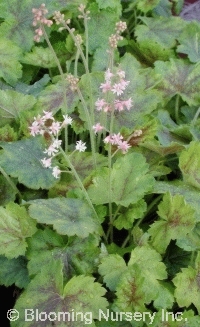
(22, 159)
(13, 271)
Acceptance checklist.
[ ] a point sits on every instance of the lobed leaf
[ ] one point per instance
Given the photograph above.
(189, 163)
(179, 77)
(22, 159)
(41, 57)
(190, 278)
(130, 181)
(10, 67)
(112, 268)
(47, 293)
(189, 193)
(177, 220)
(161, 30)
(68, 216)
(52, 98)
(190, 42)
(12, 103)
(15, 226)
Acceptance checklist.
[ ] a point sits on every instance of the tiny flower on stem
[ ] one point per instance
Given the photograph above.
(97, 128)
(54, 128)
(47, 115)
(80, 146)
(124, 146)
(67, 120)
(35, 128)
(56, 172)
(46, 162)
(52, 150)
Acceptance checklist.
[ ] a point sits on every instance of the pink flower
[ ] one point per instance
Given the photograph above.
(108, 75)
(47, 115)
(116, 138)
(128, 103)
(124, 146)
(113, 139)
(119, 105)
(107, 108)
(100, 103)
(105, 87)
(35, 128)
(97, 128)
(55, 128)
(118, 88)
(108, 139)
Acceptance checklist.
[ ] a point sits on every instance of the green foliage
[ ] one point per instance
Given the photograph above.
(12, 103)
(14, 271)
(189, 163)
(129, 179)
(189, 41)
(47, 288)
(180, 78)
(189, 277)
(177, 220)
(15, 227)
(68, 216)
(22, 159)
(10, 67)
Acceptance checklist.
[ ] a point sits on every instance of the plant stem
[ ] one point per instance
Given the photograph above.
(81, 186)
(177, 108)
(62, 77)
(196, 116)
(92, 135)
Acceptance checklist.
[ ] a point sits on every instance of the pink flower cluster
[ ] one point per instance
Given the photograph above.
(40, 19)
(40, 125)
(115, 84)
(117, 139)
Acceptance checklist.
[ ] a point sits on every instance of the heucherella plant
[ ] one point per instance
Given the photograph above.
(100, 163)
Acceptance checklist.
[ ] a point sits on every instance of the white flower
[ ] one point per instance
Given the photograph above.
(56, 172)
(51, 151)
(56, 143)
(46, 162)
(80, 146)
(67, 120)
